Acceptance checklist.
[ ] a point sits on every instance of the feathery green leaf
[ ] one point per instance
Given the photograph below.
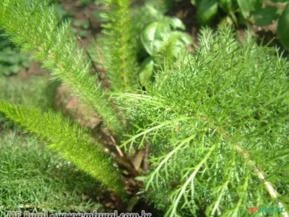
(121, 42)
(70, 141)
(34, 25)
(215, 121)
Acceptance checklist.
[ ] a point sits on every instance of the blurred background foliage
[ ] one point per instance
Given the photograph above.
(11, 60)
(261, 14)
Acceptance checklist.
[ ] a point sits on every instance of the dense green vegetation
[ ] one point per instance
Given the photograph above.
(192, 125)
(213, 119)
(33, 178)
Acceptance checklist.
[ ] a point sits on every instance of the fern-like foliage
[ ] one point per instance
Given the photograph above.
(216, 121)
(72, 142)
(217, 124)
(34, 25)
(120, 43)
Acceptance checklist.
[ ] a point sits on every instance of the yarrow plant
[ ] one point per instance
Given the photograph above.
(213, 122)
(216, 122)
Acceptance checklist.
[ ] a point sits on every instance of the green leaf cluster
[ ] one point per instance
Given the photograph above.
(256, 12)
(216, 123)
(34, 26)
(162, 38)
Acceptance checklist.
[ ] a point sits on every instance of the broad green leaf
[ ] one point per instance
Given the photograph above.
(177, 43)
(153, 36)
(226, 5)
(265, 16)
(283, 1)
(207, 10)
(248, 6)
(176, 23)
(158, 34)
(283, 28)
(154, 12)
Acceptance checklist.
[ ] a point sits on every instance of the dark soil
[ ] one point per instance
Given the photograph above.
(86, 14)
(187, 13)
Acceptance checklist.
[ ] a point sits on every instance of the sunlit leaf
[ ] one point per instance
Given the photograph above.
(153, 36)
(248, 6)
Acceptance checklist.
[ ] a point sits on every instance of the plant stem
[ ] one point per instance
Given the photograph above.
(260, 174)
